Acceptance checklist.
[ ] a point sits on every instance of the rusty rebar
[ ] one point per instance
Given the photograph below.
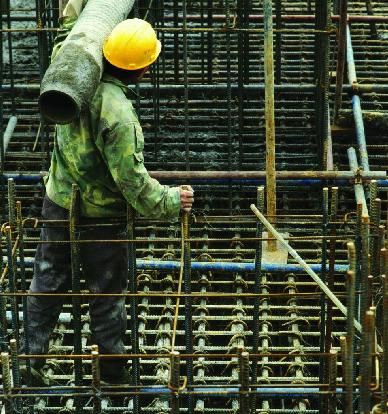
(7, 385)
(374, 247)
(350, 341)
(12, 279)
(244, 382)
(174, 382)
(341, 58)
(366, 362)
(76, 287)
(384, 382)
(16, 380)
(333, 359)
(96, 380)
(256, 289)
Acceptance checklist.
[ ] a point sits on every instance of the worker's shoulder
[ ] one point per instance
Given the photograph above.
(111, 93)
(112, 104)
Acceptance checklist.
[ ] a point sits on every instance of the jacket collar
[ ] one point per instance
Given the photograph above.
(111, 79)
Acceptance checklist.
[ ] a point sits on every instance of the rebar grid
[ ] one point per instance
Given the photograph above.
(288, 353)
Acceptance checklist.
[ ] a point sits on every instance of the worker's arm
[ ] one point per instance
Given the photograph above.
(123, 154)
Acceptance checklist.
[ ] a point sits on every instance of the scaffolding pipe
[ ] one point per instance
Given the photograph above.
(23, 178)
(252, 87)
(294, 18)
(219, 392)
(73, 76)
(306, 177)
(356, 102)
(270, 162)
(222, 266)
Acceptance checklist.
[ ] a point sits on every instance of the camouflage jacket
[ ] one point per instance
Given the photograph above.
(102, 152)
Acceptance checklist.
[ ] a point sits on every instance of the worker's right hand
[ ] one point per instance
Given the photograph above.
(187, 197)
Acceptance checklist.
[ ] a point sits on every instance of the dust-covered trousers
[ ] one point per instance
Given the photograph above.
(105, 269)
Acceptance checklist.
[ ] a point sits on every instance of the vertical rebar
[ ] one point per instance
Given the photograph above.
(256, 291)
(373, 29)
(176, 41)
(15, 372)
(240, 80)
(322, 58)
(374, 248)
(270, 118)
(323, 301)
(188, 305)
(350, 339)
(96, 380)
(11, 203)
(352, 257)
(341, 58)
(3, 322)
(345, 367)
(373, 190)
(364, 302)
(278, 51)
(2, 151)
(186, 85)
(7, 386)
(229, 95)
(366, 362)
(23, 285)
(210, 42)
(42, 37)
(318, 38)
(12, 285)
(243, 363)
(330, 275)
(10, 57)
(358, 246)
(247, 11)
(76, 288)
(333, 357)
(174, 382)
(132, 276)
(384, 383)
(202, 42)
(3, 312)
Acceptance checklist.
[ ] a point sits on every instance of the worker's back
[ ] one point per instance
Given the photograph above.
(80, 152)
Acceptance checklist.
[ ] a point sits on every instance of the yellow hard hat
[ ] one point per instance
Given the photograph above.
(132, 45)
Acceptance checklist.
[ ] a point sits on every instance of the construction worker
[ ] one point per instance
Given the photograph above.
(101, 152)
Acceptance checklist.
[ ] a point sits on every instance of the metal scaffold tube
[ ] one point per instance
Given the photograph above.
(269, 115)
(356, 102)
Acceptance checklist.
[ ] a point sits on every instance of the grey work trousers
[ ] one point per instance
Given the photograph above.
(105, 269)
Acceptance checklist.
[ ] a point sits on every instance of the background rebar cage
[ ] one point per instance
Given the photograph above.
(212, 328)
